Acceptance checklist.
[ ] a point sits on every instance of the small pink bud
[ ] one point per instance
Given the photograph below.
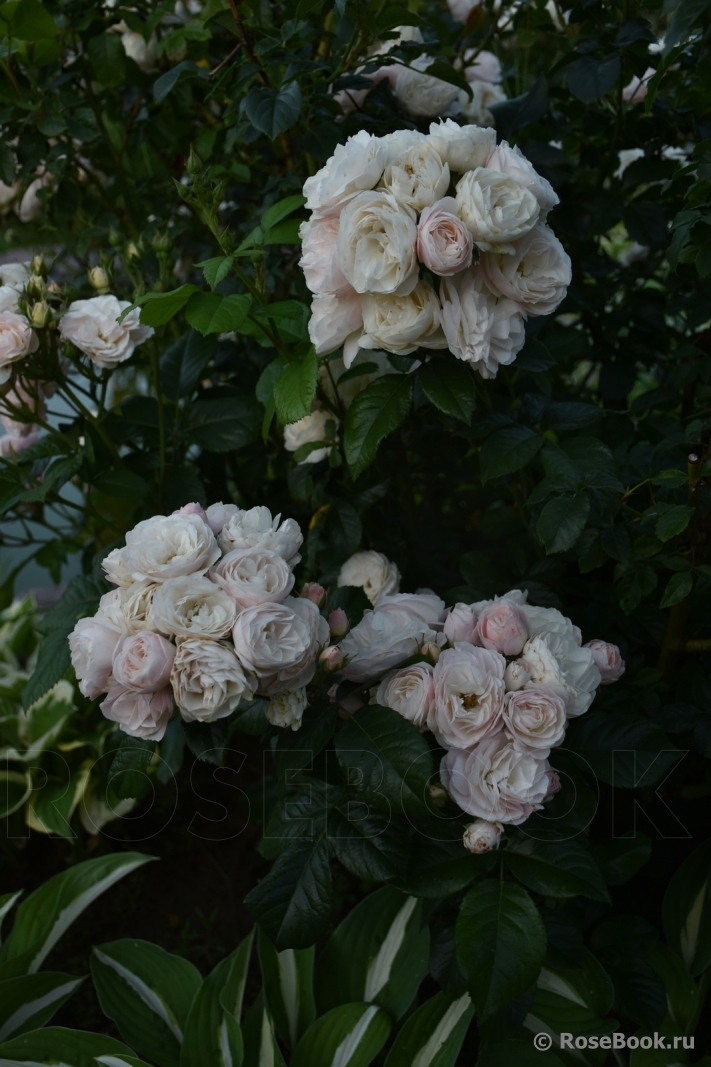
(314, 592)
(553, 784)
(331, 658)
(431, 651)
(333, 693)
(338, 622)
(192, 509)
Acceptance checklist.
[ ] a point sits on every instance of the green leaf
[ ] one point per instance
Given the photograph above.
(29, 1001)
(273, 112)
(184, 363)
(590, 78)
(167, 82)
(55, 1045)
(521, 1053)
(15, 790)
(678, 588)
(213, 313)
(147, 992)
(29, 19)
(501, 944)
(433, 1035)
(672, 479)
(686, 911)
(213, 1023)
(284, 233)
(507, 451)
(216, 270)
(294, 902)
(368, 844)
(348, 1036)
(121, 484)
(387, 760)
(7, 903)
(673, 521)
(288, 987)
(376, 412)
(8, 166)
(108, 59)
(449, 384)
(128, 772)
(446, 878)
(295, 388)
(260, 1043)
(379, 954)
(47, 913)
(225, 424)
(682, 992)
(159, 308)
(685, 17)
(562, 521)
(559, 869)
(281, 210)
(620, 859)
(624, 749)
(52, 662)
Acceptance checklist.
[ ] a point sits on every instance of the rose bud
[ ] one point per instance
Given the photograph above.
(554, 785)
(608, 660)
(482, 836)
(40, 314)
(460, 624)
(431, 651)
(192, 509)
(338, 622)
(99, 279)
(331, 658)
(516, 675)
(314, 592)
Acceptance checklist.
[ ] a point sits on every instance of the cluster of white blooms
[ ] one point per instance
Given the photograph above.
(469, 212)
(496, 682)
(202, 618)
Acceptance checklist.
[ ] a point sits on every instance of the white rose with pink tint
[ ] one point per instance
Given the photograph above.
(409, 692)
(143, 715)
(503, 627)
(208, 680)
(460, 624)
(482, 836)
(534, 718)
(494, 781)
(444, 243)
(253, 576)
(143, 662)
(319, 256)
(92, 644)
(469, 695)
(608, 660)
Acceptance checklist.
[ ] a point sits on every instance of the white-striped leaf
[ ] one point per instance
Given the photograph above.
(59, 1047)
(212, 1033)
(379, 954)
(433, 1035)
(7, 903)
(288, 988)
(351, 1035)
(29, 1001)
(15, 788)
(148, 993)
(686, 912)
(121, 1061)
(50, 910)
(260, 1043)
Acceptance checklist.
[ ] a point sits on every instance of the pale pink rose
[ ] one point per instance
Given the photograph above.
(409, 692)
(92, 644)
(280, 643)
(460, 624)
(331, 658)
(313, 591)
(554, 784)
(17, 340)
(333, 320)
(143, 662)
(503, 627)
(494, 781)
(608, 660)
(337, 622)
(534, 718)
(11, 444)
(485, 67)
(444, 244)
(510, 160)
(516, 675)
(253, 576)
(319, 256)
(192, 509)
(482, 836)
(217, 515)
(636, 90)
(469, 695)
(144, 715)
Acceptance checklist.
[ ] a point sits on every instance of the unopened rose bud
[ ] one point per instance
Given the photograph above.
(99, 280)
(36, 287)
(115, 238)
(554, 785)
(193, 509)
(608, 660)
(430, 651)
(314, 592)
(331, 658)
(516, 675)
(162, 242)
(54, 288)
(338, 622)
(132, 250)
(38, 265)
(438, 795)
(40, 314)
(194, 164)
(482, 836)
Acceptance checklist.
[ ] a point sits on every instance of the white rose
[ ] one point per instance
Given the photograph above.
(495, 208)
(627, 156)
(17, 340)
(494, 781)
(91, 326)
(414, 173)
(117, 569)
(568, 669)
(517, 675)
(353, 167)
(253, 576)
(143, 52)
(144, 715)
(31, 206)
(280, 643)
(402, 324)
(409, 692)
(192, 606)
(482, 67)
(110, 611)
(469, 695)
(287, 709)
(319, 256)
(462, 147)
(424, 605)
(219, 514)
(510, 160)
(334, 319)
(636, 89)
(485, 95)
(376, 244)
(9, 297)
(482, 836)
(460, 623)
(536, 276)
(460, 10)
(534, 718)
(373, 572)
(421, 95)
(608, 660)
(143, 662)
(15, 275)
(551, 621)
(170, 546)
(135, 601)
(92, 644)
(480, 328)
(256, 528)
(384, 637)
(444, 244)
(208, 680)
(309, 430)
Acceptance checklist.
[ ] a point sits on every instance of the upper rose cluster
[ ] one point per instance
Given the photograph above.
(469, 212)
(202, 617)
(499, 682)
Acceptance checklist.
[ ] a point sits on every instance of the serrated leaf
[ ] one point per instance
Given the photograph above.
(184, 363)
(508, 450)
(295, 388)
(376, 412)
(214, 313)
(673, 522)
(678, 588)
(449, 384)
(560, 869)
(281, 210)
(273, 111)
(293, 903)
(224, 424)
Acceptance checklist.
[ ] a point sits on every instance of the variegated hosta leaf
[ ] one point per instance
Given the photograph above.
(288, 987)
(348, 1036)
(30, 1001)
(212, 1033)
(433, 1035)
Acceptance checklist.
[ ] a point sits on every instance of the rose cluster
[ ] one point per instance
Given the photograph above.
(430, 241)
(201, 619)
(496, 683)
